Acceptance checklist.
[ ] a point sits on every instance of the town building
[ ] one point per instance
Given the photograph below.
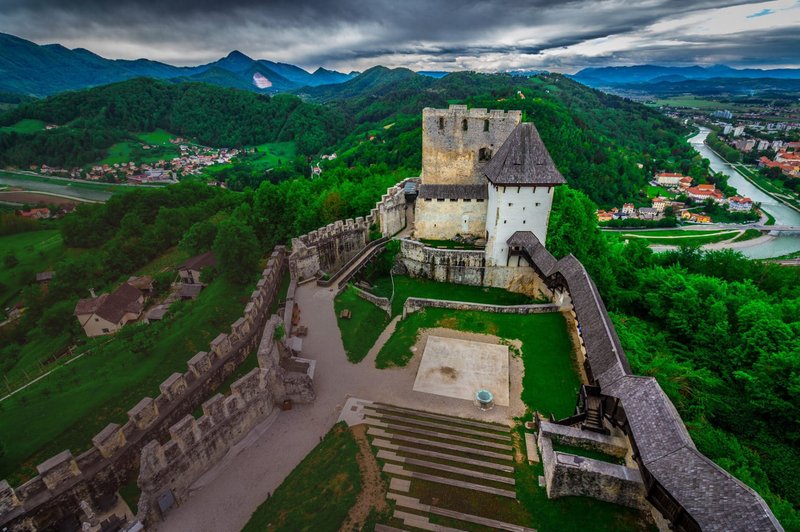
(739, 204)
(628, 208)
(685, 183)
(191, 269)
(738, 131)
(669, 179)
(660, 203)
(704, 192)
(727, 129)
(108, 313)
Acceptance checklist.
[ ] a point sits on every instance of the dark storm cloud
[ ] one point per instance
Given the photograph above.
(451, 34)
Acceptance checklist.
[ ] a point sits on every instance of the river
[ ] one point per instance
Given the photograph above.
(784, 215)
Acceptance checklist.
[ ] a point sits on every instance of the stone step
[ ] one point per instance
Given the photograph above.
(435, 425)
(422, 522)
(386, 528)
(391, 427)
(394, 457)
(404, 501)
(380, 433)
(394, 469)
(385, 444)
(457, 420)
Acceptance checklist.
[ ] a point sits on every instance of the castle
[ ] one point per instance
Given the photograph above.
(485, 175)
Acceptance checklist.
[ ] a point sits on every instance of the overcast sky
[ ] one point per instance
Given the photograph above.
(484, 35)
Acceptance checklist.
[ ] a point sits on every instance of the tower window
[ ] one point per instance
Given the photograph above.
(484, 154)
(538, 204)
(441, 122)
(464, 124)
(486, 125)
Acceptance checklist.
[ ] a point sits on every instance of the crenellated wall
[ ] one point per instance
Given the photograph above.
(66, 485)
(327, 249)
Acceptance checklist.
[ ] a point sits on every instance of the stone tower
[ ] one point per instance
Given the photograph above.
(521, 179)
(458, 142)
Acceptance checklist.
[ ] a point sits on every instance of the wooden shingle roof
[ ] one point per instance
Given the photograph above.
(713, 498)
(523, 160)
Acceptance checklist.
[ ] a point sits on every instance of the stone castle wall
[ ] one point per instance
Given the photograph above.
(169, 469)
(327, 249)
(469, 267)
(65, 483)
(441, 220)
(414, 304)
(451, 153)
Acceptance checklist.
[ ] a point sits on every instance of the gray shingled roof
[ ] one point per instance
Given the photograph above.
(523, 160)
(112, 307)
(453, 192)
(714, 499)
(199, 262)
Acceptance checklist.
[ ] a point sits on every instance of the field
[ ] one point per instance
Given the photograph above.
(318, 494)
(24, 126)
(34, 252)
(360, 332)
(405, 287)
(675, 237)
(699, 103)
(68, 407)
(34, 198)
(551, 379)
(271, 154)
(653, 191)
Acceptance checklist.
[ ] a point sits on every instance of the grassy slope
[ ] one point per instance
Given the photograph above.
(550, 382)
(26, 125)
(405, 287)
(360, 332)
(67, 408)
(36, 251)
(318, 493)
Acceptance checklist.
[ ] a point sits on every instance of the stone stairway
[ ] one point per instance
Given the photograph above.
(445, 451)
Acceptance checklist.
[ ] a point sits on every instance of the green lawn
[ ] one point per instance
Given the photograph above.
(159, 136)
(68, 407)
(360, 332)
(169, 260)
(749, 234)
(35, 251)
(551, 380)
(132, 151)
(318, 494)
(653, 191)
(405, 287)
(89, 185)
(271, 154)
(675, 238)
(24, 126)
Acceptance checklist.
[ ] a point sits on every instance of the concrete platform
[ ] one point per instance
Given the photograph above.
(459, 368)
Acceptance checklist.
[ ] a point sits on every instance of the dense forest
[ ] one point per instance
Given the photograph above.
(94, 119)
(721, 333)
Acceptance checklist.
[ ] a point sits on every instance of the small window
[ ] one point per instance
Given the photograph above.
(510, 204)
(486, 125)
(96, 319)
(484, 154)
(479, 200)
(441, 122)
(537, 204)
(464, 124)
(467, 200)
(439, 199)
(505, 221)
(453, 199)
(428, 199)
(523, 222)
(105, 330)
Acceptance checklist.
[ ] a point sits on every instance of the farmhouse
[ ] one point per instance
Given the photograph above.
(189, 271)
(107, 313)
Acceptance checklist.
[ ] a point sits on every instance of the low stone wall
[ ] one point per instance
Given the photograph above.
(330, 247)
(68, 486)
(574, 436)
(568, 475)
(413, 304)
(382, 303)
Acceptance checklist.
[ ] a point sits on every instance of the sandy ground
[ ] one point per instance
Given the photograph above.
(224, 500)
(373, 490)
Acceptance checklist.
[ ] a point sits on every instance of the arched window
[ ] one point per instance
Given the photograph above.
(464, 124)
(484, 154)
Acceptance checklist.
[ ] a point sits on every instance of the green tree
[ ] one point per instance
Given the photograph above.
(237, 250)
(199, 238)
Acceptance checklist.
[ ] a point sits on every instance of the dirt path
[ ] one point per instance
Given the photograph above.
(373, 490)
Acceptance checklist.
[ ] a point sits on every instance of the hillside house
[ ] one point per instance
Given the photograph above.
(669, 179)
(108, 313)
(41, 213)
(628, 208)
(703, 192)
(189, 271)
(661, 203)
(685, 183)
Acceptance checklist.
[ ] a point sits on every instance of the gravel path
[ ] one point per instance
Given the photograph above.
(224, 503)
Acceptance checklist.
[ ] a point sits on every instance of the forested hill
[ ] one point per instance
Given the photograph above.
(93, 119)
(597, 140)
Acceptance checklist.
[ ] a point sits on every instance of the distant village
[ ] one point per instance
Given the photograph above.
(192, 160)
(680, 185)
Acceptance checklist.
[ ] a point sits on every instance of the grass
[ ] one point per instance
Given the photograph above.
(749, 234)
(132, 151)
(35, 251)
(159, 137)
(26, 125)
(676, 238)
(318, 494)
(448, 244)
(169, 260)
(362, 330)
(569, 514)
(283, 289)
(653, 191)
(130, 493)
(551, 380)
(74, 183)
(272, 154)
(70, 406)
(405, 287)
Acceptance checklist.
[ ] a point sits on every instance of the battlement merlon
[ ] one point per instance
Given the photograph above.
(461, 111)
